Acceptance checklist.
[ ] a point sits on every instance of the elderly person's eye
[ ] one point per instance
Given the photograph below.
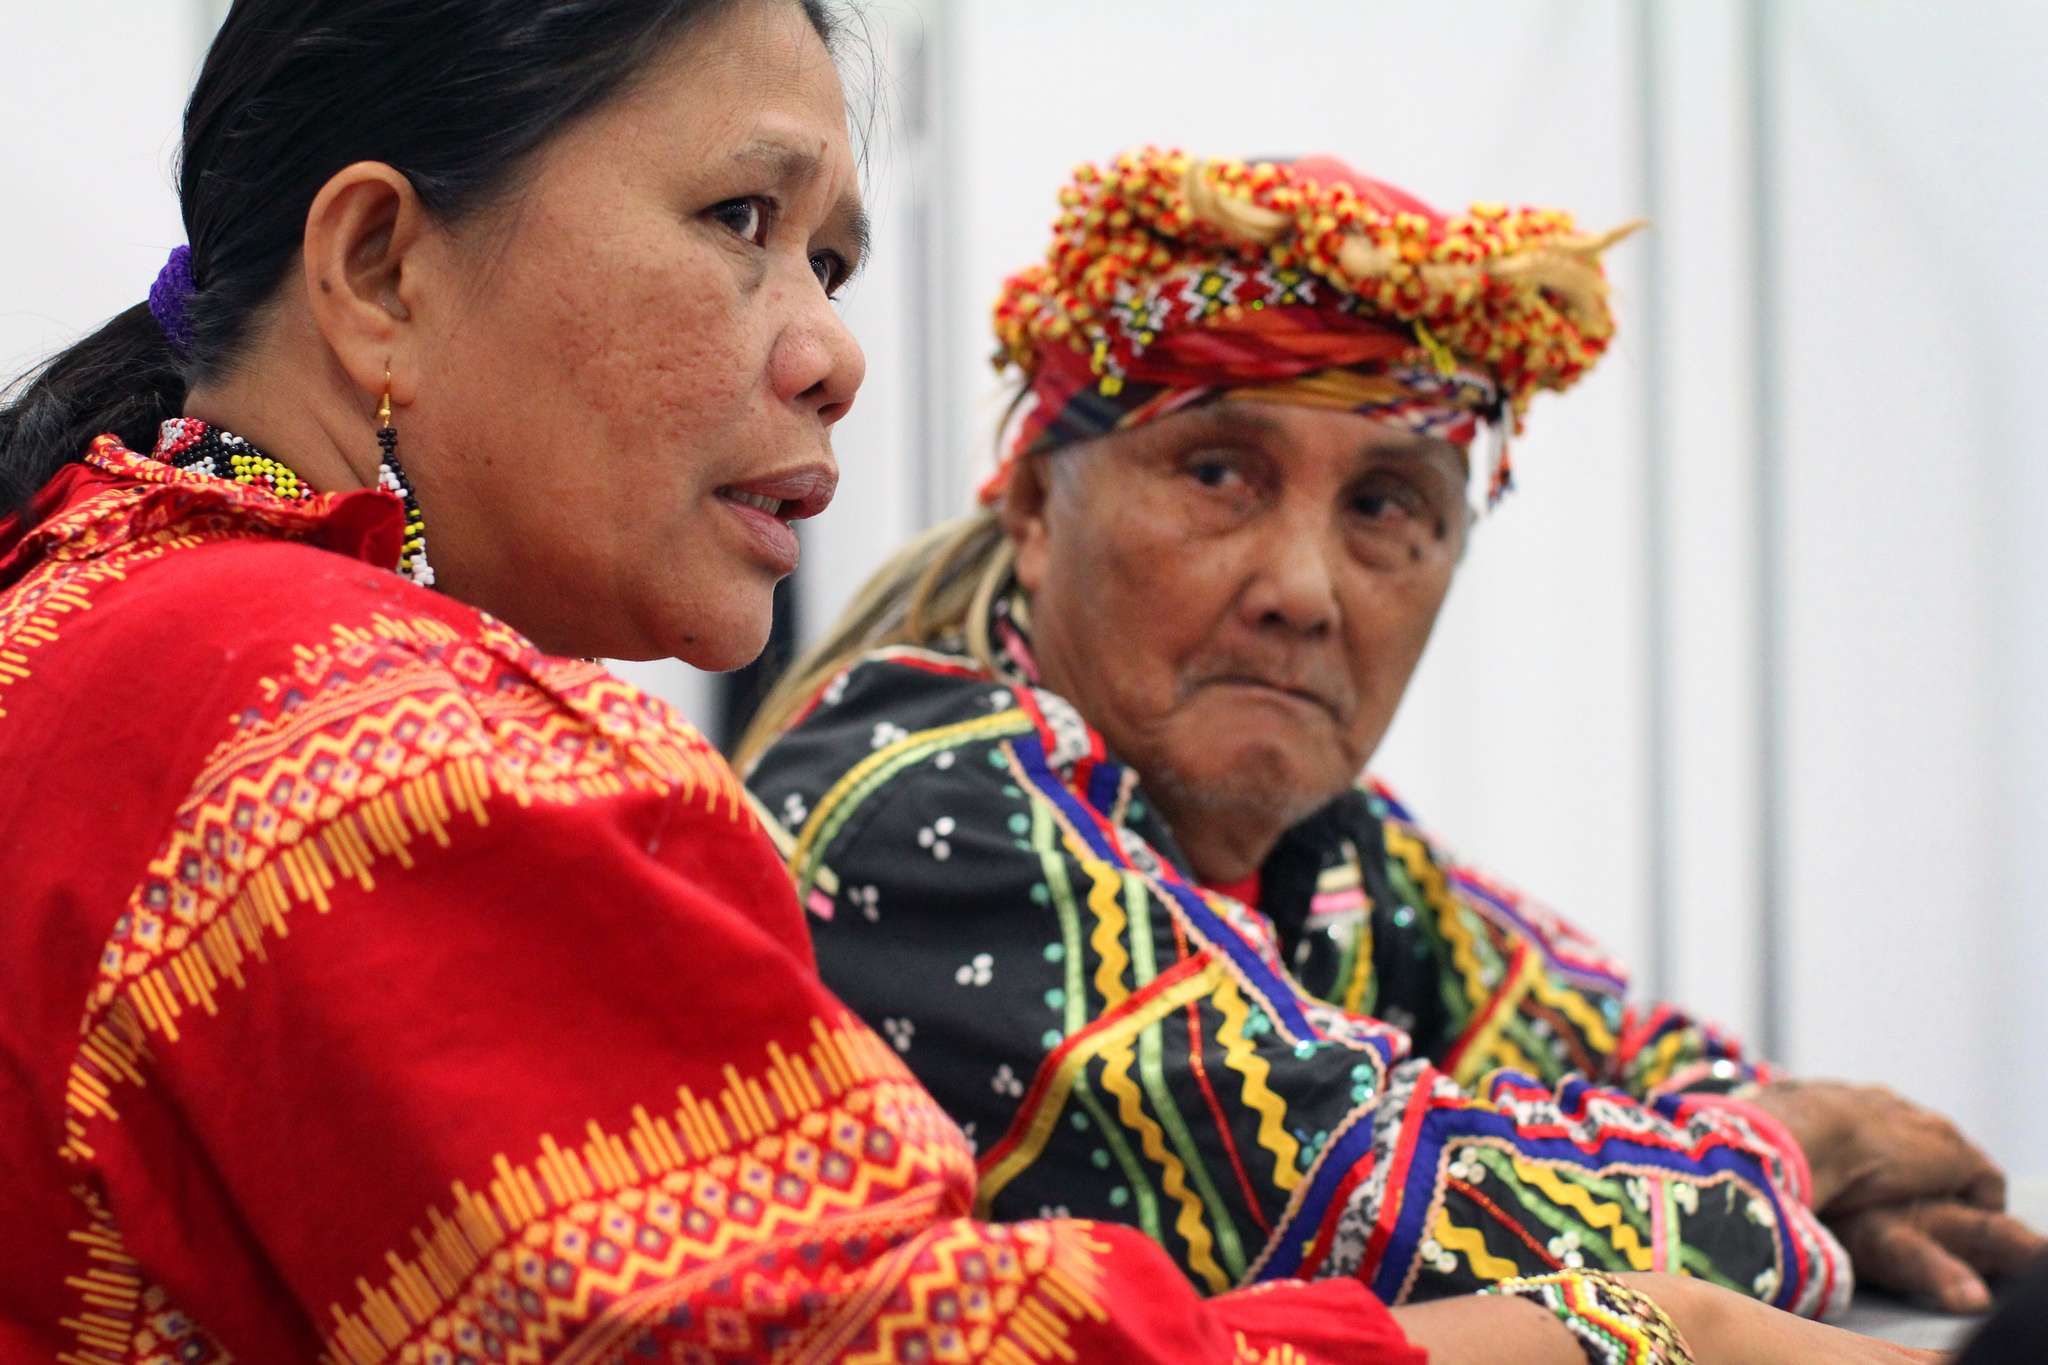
(745, 218)
(1385, 504)
(1214, 471)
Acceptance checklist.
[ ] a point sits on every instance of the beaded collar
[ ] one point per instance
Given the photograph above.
(190, 444)
(187, 443)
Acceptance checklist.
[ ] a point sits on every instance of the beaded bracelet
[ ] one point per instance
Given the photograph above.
(1614, 1324)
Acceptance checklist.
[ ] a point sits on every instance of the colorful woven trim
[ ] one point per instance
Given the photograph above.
(1174, 280)
(1613, 1323)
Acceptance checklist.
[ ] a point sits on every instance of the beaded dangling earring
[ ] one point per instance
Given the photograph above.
(412, 558)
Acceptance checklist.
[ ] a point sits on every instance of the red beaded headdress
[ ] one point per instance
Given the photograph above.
(1171, 280)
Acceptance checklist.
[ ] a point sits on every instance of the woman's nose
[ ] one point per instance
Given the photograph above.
(817, 363)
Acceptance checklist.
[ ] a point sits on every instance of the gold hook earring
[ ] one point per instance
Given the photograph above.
(412, 557)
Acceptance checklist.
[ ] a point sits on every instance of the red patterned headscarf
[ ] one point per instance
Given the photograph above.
(1172, 281)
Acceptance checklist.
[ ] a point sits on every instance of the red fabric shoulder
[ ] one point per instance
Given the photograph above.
(1335, 1319)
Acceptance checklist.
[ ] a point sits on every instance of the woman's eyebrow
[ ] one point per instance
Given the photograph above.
(793, 166)
(785, 162)
(851, 223)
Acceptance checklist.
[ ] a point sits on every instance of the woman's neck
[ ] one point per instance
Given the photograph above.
(306, 421)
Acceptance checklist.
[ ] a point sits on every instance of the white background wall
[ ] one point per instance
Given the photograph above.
(1911, 497)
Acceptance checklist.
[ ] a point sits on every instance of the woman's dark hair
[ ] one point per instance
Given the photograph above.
(456, 94)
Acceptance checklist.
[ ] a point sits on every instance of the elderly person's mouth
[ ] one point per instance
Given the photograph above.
(1260, 688)
(767, 506)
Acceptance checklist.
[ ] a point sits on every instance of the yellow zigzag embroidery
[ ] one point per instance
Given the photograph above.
(1476, 1056)
(1116, 1078)
(1597, 1214)
(1579, 1010)
(1242, 1058)
(1656, 1069)
(1038, 1131)
(1485, 1264)
(1104, 889)
(1414, 855)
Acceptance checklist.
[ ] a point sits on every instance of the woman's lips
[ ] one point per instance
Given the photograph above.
(766, 506)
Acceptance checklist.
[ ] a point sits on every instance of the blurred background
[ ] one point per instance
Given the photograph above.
(1746, 678)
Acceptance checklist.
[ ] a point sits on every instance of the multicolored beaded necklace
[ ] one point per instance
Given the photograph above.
(187, 443)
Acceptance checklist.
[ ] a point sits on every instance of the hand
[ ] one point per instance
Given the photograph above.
(1917, 1205)
(1938, 1248)
(1869, 1147)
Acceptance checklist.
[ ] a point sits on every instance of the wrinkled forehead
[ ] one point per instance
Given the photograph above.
(1336, 443)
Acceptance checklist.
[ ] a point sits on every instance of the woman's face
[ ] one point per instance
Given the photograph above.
(1237, 595)
(629, 395)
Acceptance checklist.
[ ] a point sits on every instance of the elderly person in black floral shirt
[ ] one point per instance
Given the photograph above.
(1073, 798)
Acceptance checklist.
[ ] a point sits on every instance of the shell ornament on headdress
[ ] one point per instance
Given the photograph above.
(1172, 278)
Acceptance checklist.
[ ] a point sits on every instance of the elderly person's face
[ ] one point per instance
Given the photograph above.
(1236, 596)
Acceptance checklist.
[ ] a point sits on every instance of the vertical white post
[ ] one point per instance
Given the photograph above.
(1767, 359)
(1658, 518)
(931, 137)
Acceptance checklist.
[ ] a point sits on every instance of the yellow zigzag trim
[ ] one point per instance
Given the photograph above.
(1579, 1010)
(1414, 855)
(1088, 1045)
(1242, 1058)
(1597, 1214)
(1656, 1069)
(1116, 1078)
(1476, 1056)
(454, 1248)
(1485, 1264)
(1105, 888)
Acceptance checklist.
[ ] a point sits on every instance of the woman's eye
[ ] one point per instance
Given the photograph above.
(830, 268)
(744, 218)
(1214, 473)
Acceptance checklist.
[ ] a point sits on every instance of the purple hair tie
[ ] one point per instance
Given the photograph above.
(167, 299)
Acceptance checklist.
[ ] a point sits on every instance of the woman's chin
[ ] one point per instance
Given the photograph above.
(719, 646)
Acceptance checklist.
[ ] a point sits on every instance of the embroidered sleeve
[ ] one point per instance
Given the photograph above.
(1122, 1046)
(1529, 991)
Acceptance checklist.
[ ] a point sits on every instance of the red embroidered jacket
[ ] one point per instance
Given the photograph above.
(378, 988)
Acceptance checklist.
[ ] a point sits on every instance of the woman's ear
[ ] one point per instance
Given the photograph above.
(1023, 514)
(361, 282)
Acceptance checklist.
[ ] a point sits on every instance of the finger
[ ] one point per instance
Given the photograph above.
(1989, 1242)
(1889, 1251)
(1978, 1179)
(1987, 1191)
(1921, 1156)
